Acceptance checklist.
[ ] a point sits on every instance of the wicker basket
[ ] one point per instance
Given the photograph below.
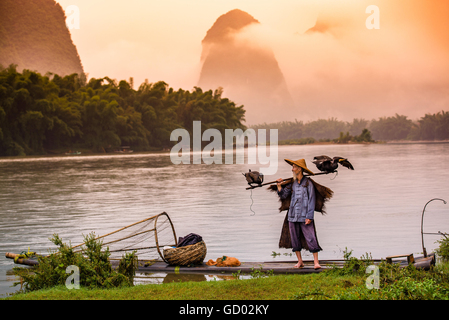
(188, 255)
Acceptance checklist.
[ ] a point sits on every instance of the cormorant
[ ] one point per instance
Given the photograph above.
(328, 164)
(253, 177)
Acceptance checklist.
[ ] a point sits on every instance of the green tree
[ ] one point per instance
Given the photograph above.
(365, 136)
(391, 128)
(38, 114)
(431, 127)
(357, 126)
(344, 138)
(99, 122)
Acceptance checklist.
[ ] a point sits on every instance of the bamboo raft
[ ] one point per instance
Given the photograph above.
(277, 267)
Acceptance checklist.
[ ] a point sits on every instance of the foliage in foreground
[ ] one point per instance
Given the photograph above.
(443, 250)
(95, 271)
(395, 283)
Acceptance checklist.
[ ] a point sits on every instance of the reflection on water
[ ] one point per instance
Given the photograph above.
(159, 278)
(376, 208)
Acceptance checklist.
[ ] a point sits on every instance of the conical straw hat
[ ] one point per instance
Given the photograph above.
(300, 163)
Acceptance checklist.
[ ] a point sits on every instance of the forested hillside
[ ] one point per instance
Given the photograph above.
(33, 35)
(429, 127)
(40, 115)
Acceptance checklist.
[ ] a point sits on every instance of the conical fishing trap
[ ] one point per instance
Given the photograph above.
(147, 237)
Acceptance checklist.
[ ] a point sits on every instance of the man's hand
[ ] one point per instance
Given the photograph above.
(279, 181)
(308, 221)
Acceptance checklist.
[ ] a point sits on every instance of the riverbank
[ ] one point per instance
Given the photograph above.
(300, 142)
(83, 153)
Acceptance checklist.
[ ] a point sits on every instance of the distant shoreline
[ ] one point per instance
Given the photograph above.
(316, 143)
(416, 141)
(83, 154)
(376, 142)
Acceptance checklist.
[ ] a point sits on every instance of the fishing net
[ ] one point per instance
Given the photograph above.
(147, 237)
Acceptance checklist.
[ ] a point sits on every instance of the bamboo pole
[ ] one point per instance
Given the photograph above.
(114, 241)
(122, 250)
(153, 217)
(10, 255)
(422, 222)
(156, 235)
(18, 260)
(288, 179)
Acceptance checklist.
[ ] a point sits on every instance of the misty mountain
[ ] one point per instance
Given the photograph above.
(236, 58)
(33, 35)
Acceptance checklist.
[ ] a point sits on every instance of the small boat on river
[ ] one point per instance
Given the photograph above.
(74, 153)
(123, 150)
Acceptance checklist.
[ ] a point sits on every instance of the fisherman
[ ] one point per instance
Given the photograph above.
(301, 211)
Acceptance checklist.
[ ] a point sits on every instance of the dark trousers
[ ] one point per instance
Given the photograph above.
(307, 232)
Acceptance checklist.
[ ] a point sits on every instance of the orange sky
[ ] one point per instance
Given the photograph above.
(346, 72)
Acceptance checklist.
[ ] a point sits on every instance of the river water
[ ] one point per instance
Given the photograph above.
(375, 209)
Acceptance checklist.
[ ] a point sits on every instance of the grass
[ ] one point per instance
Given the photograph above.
(279, 287)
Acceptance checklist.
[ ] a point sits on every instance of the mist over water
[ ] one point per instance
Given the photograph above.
(376, 208)
(340, 70)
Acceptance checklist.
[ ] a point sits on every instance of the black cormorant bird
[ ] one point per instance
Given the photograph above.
(328, 164)
(253, 177)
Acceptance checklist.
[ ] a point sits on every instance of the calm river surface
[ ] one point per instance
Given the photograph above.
(376, 208)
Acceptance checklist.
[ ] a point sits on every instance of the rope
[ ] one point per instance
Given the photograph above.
(252, 202)
(336, 174)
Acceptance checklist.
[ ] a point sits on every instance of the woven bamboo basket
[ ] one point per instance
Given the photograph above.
(188, 255)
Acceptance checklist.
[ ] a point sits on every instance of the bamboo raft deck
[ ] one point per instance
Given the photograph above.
(276, 267)
(282, 267)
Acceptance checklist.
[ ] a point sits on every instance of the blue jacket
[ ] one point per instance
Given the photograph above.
(302, 204)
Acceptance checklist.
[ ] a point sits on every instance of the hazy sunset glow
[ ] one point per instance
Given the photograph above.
(341, 69)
